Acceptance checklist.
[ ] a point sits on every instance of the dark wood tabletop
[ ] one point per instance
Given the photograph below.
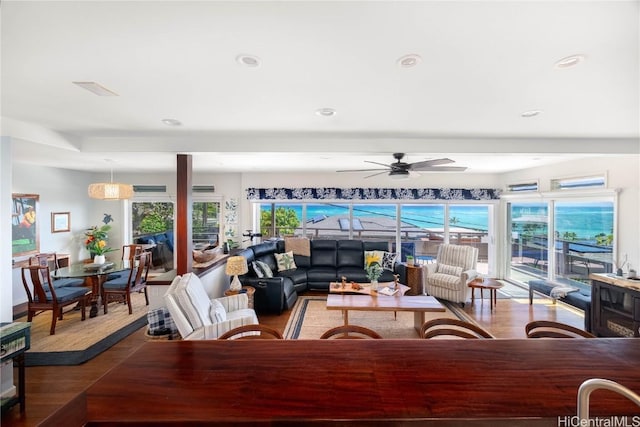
(360, 381)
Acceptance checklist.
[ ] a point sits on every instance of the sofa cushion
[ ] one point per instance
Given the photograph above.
(389, 260)
(322, 274)
(350, 253)
(442, 280)
(264, 267)
(197, 304)
(324, 253)
(177, 314)
(218, 313)
(297, 245)
(451, 270)
(373, 257)
(297, 275)
(257, 270)
(285, 261)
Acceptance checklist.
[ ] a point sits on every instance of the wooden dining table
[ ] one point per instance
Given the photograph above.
(447, 382)
(94, 275)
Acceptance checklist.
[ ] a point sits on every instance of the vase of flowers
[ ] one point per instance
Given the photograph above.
(374, 271)
(96, 242)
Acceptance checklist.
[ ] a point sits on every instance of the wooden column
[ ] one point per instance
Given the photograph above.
(184, 206)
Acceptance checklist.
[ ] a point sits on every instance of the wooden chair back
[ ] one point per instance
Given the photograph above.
(452, 327)
(350, 332)
(265, 333)
(551, 329)
(43, 297)
(130, 252)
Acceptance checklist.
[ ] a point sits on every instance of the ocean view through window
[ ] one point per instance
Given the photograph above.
(578, 234)
(418, 228)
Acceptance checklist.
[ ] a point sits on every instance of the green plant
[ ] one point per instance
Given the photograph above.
(374, 271)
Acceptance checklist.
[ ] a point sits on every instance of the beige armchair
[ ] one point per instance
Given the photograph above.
(199, 317)
(449, 276)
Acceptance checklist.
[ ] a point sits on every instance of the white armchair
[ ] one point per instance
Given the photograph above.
(449, 277)
(198, 317)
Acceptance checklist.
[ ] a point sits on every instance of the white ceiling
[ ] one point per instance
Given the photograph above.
(483, 64)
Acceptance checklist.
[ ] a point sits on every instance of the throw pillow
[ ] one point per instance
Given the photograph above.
(372, 257)
(257, 270)
(451, 270)
(389, 260)
(218, 313)
(266, 270)
(297, 245)
(285, 261)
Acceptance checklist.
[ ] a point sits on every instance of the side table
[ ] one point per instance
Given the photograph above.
(487, 283)
(414, 279)
(250, 291)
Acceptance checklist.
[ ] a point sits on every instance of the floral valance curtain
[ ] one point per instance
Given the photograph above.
(372, 194)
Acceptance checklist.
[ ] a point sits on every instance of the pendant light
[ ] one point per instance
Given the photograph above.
(110, 190)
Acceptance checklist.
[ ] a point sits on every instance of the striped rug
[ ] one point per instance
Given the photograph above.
(310, 318)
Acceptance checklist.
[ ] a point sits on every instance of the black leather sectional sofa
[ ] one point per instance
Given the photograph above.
(328, 262)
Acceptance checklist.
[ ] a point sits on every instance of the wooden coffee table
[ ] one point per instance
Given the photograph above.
(419, 304)
(487, 283)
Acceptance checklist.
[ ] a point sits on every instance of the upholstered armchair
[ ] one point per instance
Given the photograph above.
(449, 277)
(199, 317)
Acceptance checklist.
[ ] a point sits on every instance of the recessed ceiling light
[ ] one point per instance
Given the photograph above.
(95, 88)
(171, 122)
(410, 60)
(248, 60)
(326, 112)
(530, 113)
(570, 61)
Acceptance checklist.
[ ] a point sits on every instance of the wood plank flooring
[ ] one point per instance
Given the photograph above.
(49, 387)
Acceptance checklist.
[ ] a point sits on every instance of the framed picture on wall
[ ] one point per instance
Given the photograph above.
(25, 236)
(60, 222)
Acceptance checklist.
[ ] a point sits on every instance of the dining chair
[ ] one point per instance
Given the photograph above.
(452, 327)
(42, 259)
(351, 332)
(120, 289)
(43, 297)
(551, 329)
(240, 333)
(129, 252)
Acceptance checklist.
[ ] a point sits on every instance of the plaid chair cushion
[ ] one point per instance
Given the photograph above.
(160, 320)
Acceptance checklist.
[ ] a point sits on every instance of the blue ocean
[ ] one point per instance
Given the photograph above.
(586, 220)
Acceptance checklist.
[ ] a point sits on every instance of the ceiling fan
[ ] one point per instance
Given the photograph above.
(400, 169)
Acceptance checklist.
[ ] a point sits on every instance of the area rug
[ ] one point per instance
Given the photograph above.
(310, 318)
(75, 341)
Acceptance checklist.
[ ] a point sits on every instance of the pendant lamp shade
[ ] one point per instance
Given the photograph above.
(110, 190)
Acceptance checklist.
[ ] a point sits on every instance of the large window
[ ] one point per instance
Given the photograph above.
(419, 227)
(561, 239)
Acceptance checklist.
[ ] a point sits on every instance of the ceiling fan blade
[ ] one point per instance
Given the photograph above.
(376, 163)
(362, 170)
(444, 169)
(428, 163)
(376, 174)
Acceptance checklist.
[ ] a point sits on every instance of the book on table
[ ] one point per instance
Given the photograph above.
(387, 291)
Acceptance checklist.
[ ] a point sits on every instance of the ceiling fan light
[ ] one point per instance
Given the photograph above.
(399, 174)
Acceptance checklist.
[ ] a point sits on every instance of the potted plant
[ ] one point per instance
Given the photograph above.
(410, 260)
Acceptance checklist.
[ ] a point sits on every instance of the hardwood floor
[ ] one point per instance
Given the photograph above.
(49, 387)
